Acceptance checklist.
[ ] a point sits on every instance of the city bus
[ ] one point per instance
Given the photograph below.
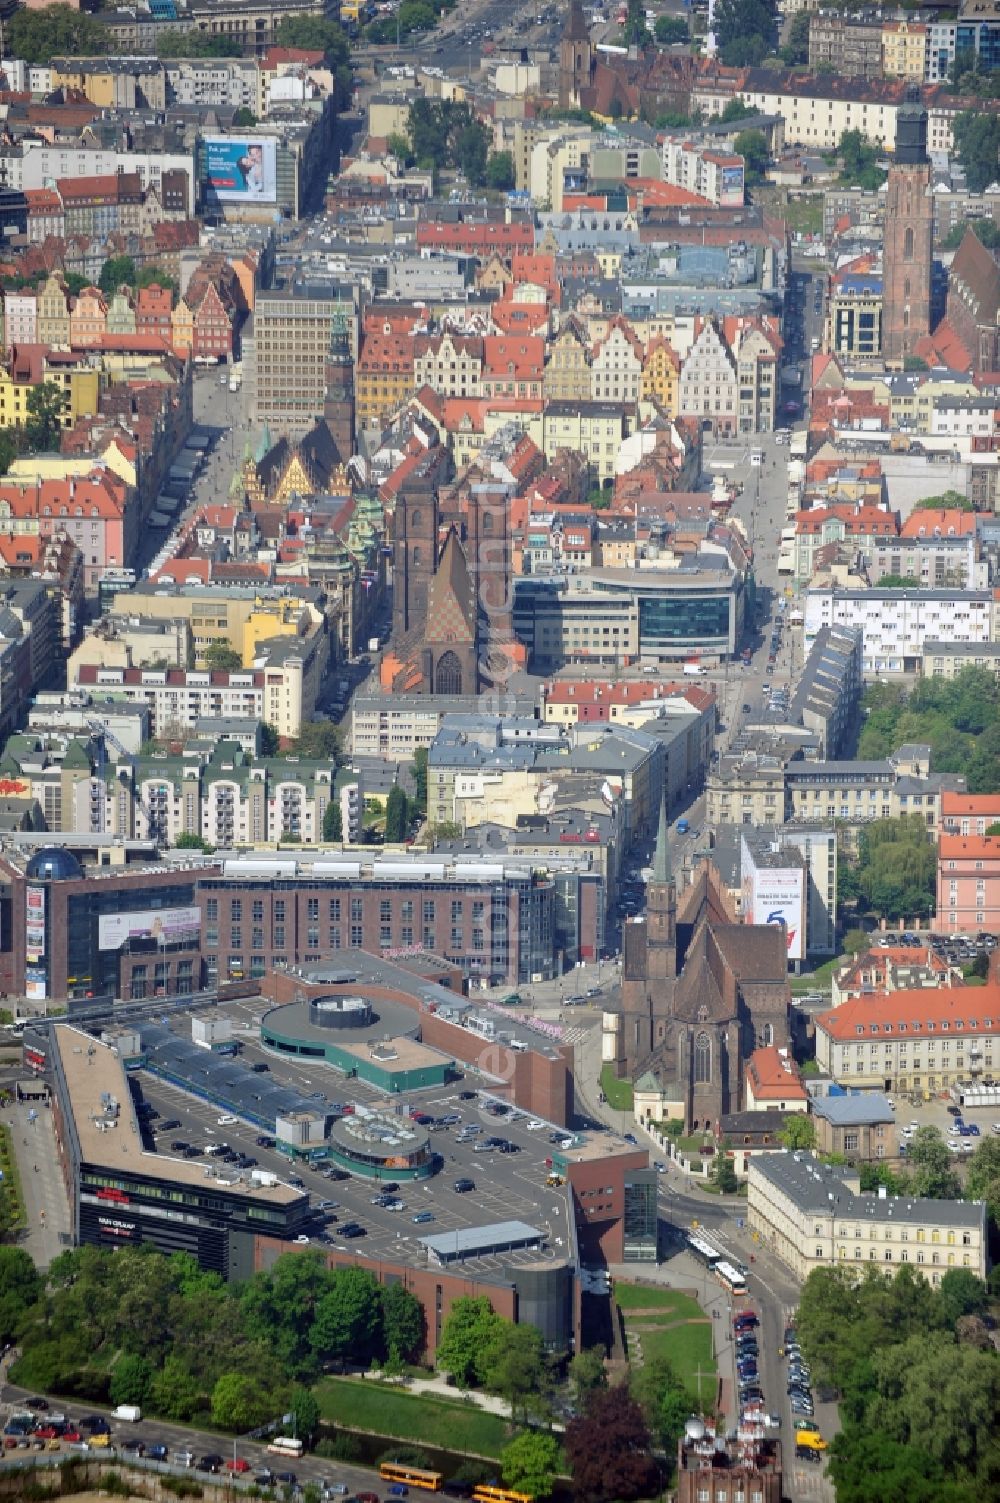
(704, 1251)
(486, 1493)
(413, 1476)
(731, 1278)
(286, 1445)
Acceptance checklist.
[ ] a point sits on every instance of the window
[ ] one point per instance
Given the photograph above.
(702, 1059)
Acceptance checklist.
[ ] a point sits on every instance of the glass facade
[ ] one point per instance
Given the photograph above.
(91, 969)
(640, 1216)
(701, 621)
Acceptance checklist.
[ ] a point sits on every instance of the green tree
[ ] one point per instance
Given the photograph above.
(191, 842)
(799, 1131)
(987, 230)
(319, 741)
(513, 1365)
(178, 43)
(587, 1371)
(500, 171)
(635, 32)
(398, 146)
(117, 271)
(20, 1289)
(746, 31)
(472, 146)
(348, 1322)
(305, 1408)
(175, 1393)
(977, 144)
(736, 109)
(608, 1450)
(530, 1463)
(665, 1401)
(929, 1160)
(75, 282)
(280, 1308)
(403, 1329)
(395, 814)
(317, 34)
(898, 582)
(270, 741)
(670, 30)
(131, 1380)
(240, 1402)
(333, 821)
(468, 1331)
(420, 779)
(38, 36)
(982, 1180)
(149, 275)
(44, 423)
(724, 1173)
(795, 51)
(222, 657)
(751, 145)
(962, 1294)
(859, 161)
(244, 118)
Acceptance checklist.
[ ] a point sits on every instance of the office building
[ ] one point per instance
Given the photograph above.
(296, 329)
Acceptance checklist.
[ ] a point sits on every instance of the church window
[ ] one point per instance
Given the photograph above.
(767, 1035)
(908, 244)
(448, 679)
(415, 519)
(702, 1059)
(415, 556)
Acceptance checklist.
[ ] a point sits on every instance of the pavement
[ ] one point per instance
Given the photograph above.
(45, 1201)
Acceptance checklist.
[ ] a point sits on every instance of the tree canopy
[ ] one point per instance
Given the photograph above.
(178, 43)
(895, 871)
(318, 34)
(608, 1449)
(958, 718)
(746, 31)
(38, 36)
(443, 134)
(977, 145)
(670, 30)
(751, 145)
(859, 161)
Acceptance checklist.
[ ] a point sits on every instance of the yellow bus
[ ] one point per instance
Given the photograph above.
(413, 1476)
(486, 1494)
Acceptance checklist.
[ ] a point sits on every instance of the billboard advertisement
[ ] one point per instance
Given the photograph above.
(779, 898)
(241, 170)
(168, 926)
(34, 924)
(732, 185)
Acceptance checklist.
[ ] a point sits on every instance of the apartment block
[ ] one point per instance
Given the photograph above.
(814, 1215)
(897, 623)
(293, 333)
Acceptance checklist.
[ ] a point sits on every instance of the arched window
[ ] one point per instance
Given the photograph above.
(415, 519)
(702, 1059)
(908, 244)
(448, 678)
(487, 524)
(767, 1036)
(415, 556)
(906, 287)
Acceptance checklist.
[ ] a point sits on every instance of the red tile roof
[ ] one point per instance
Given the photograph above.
(922, 1011)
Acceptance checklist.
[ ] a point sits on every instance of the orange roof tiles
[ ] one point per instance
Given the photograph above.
(772, 1076)
(924, 1011)
(971, 804)
(947, 522)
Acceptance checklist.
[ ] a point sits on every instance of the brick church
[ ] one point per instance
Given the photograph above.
(451, 582)
(700, 992)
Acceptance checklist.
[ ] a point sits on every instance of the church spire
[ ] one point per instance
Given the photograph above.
(661, 855)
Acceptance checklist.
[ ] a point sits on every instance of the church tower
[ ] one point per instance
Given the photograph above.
(576, 58)
(661, 914)
(338, 406)
(907, 258)
(415, 551)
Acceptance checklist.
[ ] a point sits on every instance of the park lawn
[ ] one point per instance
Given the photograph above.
(452, 1425)
(668, 1301)
(618, 1092)
(686, 1347)
(818, 980)
(804, 214)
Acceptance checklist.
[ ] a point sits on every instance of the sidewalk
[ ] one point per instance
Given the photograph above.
(440, 1388)
(45, 1202)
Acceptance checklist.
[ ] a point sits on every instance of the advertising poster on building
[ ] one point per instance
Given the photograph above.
(167, 926)
(34, 984)
(240, 171)
(34, 924)
(778, 899)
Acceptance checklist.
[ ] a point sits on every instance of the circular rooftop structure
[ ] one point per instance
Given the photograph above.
(382, 1145)
(340, 1012)
(53, 863)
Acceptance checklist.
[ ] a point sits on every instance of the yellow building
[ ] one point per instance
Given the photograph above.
(273, 618)
(904, 50)
(661, 376)
(80, 389)
(594, 429)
